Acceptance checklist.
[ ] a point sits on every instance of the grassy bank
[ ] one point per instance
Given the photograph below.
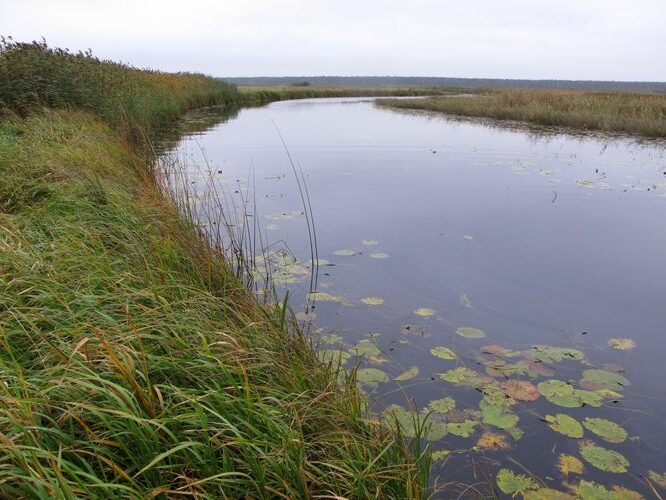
(132, 362)
(634, 113)
(262, 94)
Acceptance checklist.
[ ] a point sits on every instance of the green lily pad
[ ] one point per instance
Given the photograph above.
(547, 494)
(603, 458)
(568, 464)
(373, 301)
(660, 479)
(549, 354)
(515, 484)
(344, 253)
(498, 351)
(605, 429)
(470, 333)
(370, 242)
(603, 379)
(334, 355)
(305, 316)
(439, 455)
(465, 376)
(435, 431)
(366, 348)
(424, 311)
(499, 417)
(443, 405)
(327, 297)
(396, 414)
(379, 255)
(443, 352)
(462, 429)
(371, 377)
(564, 424)
(563, 394)
(588, 490)
(407, 375)
(332, 338)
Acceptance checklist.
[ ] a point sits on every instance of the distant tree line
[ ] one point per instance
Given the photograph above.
(426, 81)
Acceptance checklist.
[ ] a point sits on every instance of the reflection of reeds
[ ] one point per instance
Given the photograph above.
(630, 112)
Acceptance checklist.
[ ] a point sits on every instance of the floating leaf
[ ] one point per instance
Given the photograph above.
(498, 417)
(622, 344)
(409, 374)
(332, 338)
(498, 351)
(603, 379)
(439, 455)
(563, 394)
(443, 352)
(603, 458)
(588, 490)
(470, 333)
(462, 429)
(370, 242)
(605, 429)
(344, 253)
(406, 420)
(305, 316)
(568, 464)
(547, 494)
(549, 354)
(492, 441)
(465, 376)
(436, 431)
(373, 301)
(515, 433)
(424, 311)
(564, 424)
(371, 377)
(443, 405)
(333, 355)
(379, 255)
(660, 479)
(514, 484)
(522, 390)
(327, 297)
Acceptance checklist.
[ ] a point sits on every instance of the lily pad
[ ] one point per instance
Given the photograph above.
(605, 429)
(367, 349)
(547, 494)
(564, 424)
(373, 301)
(492, 441)
(407, 375)
(327, 297)
(603, 379)
(621, 344)
(514, 484)
(396, 414)
(379, 255)
(442, 406)
(522, 390)
(443, 352)
(549, 354)
(305, 316)
(462, 429)
(344, 253)
(498, 417)
(588, 490)
(568, 464)
(465, 376)
(371, 377)
(439, 455)
(334, 355)
(370, 242)
(603, 458)
(498, 351)
(563, 394)
(424, 311)
(660, 479)
(332, 338)
(470, 333)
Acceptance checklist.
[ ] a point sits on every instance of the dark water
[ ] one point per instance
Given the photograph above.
(536, 239)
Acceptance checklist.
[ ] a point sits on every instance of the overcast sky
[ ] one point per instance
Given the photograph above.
(565, 39)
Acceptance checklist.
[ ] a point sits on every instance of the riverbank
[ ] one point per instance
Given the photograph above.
(133, 363)
(625, 112)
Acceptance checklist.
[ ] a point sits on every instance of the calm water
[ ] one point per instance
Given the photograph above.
(537, 240)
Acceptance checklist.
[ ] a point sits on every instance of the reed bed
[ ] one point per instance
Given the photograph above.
(133, 361)
(624, 112)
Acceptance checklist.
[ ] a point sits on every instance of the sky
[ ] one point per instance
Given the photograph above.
(551, 39)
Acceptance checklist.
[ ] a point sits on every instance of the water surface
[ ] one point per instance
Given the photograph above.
(535, 239)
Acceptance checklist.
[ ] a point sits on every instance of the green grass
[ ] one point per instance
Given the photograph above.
(623, 112)
(132, 362)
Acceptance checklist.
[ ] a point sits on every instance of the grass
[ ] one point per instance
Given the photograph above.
(133, 362)
(624, 112)
(261, 94)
